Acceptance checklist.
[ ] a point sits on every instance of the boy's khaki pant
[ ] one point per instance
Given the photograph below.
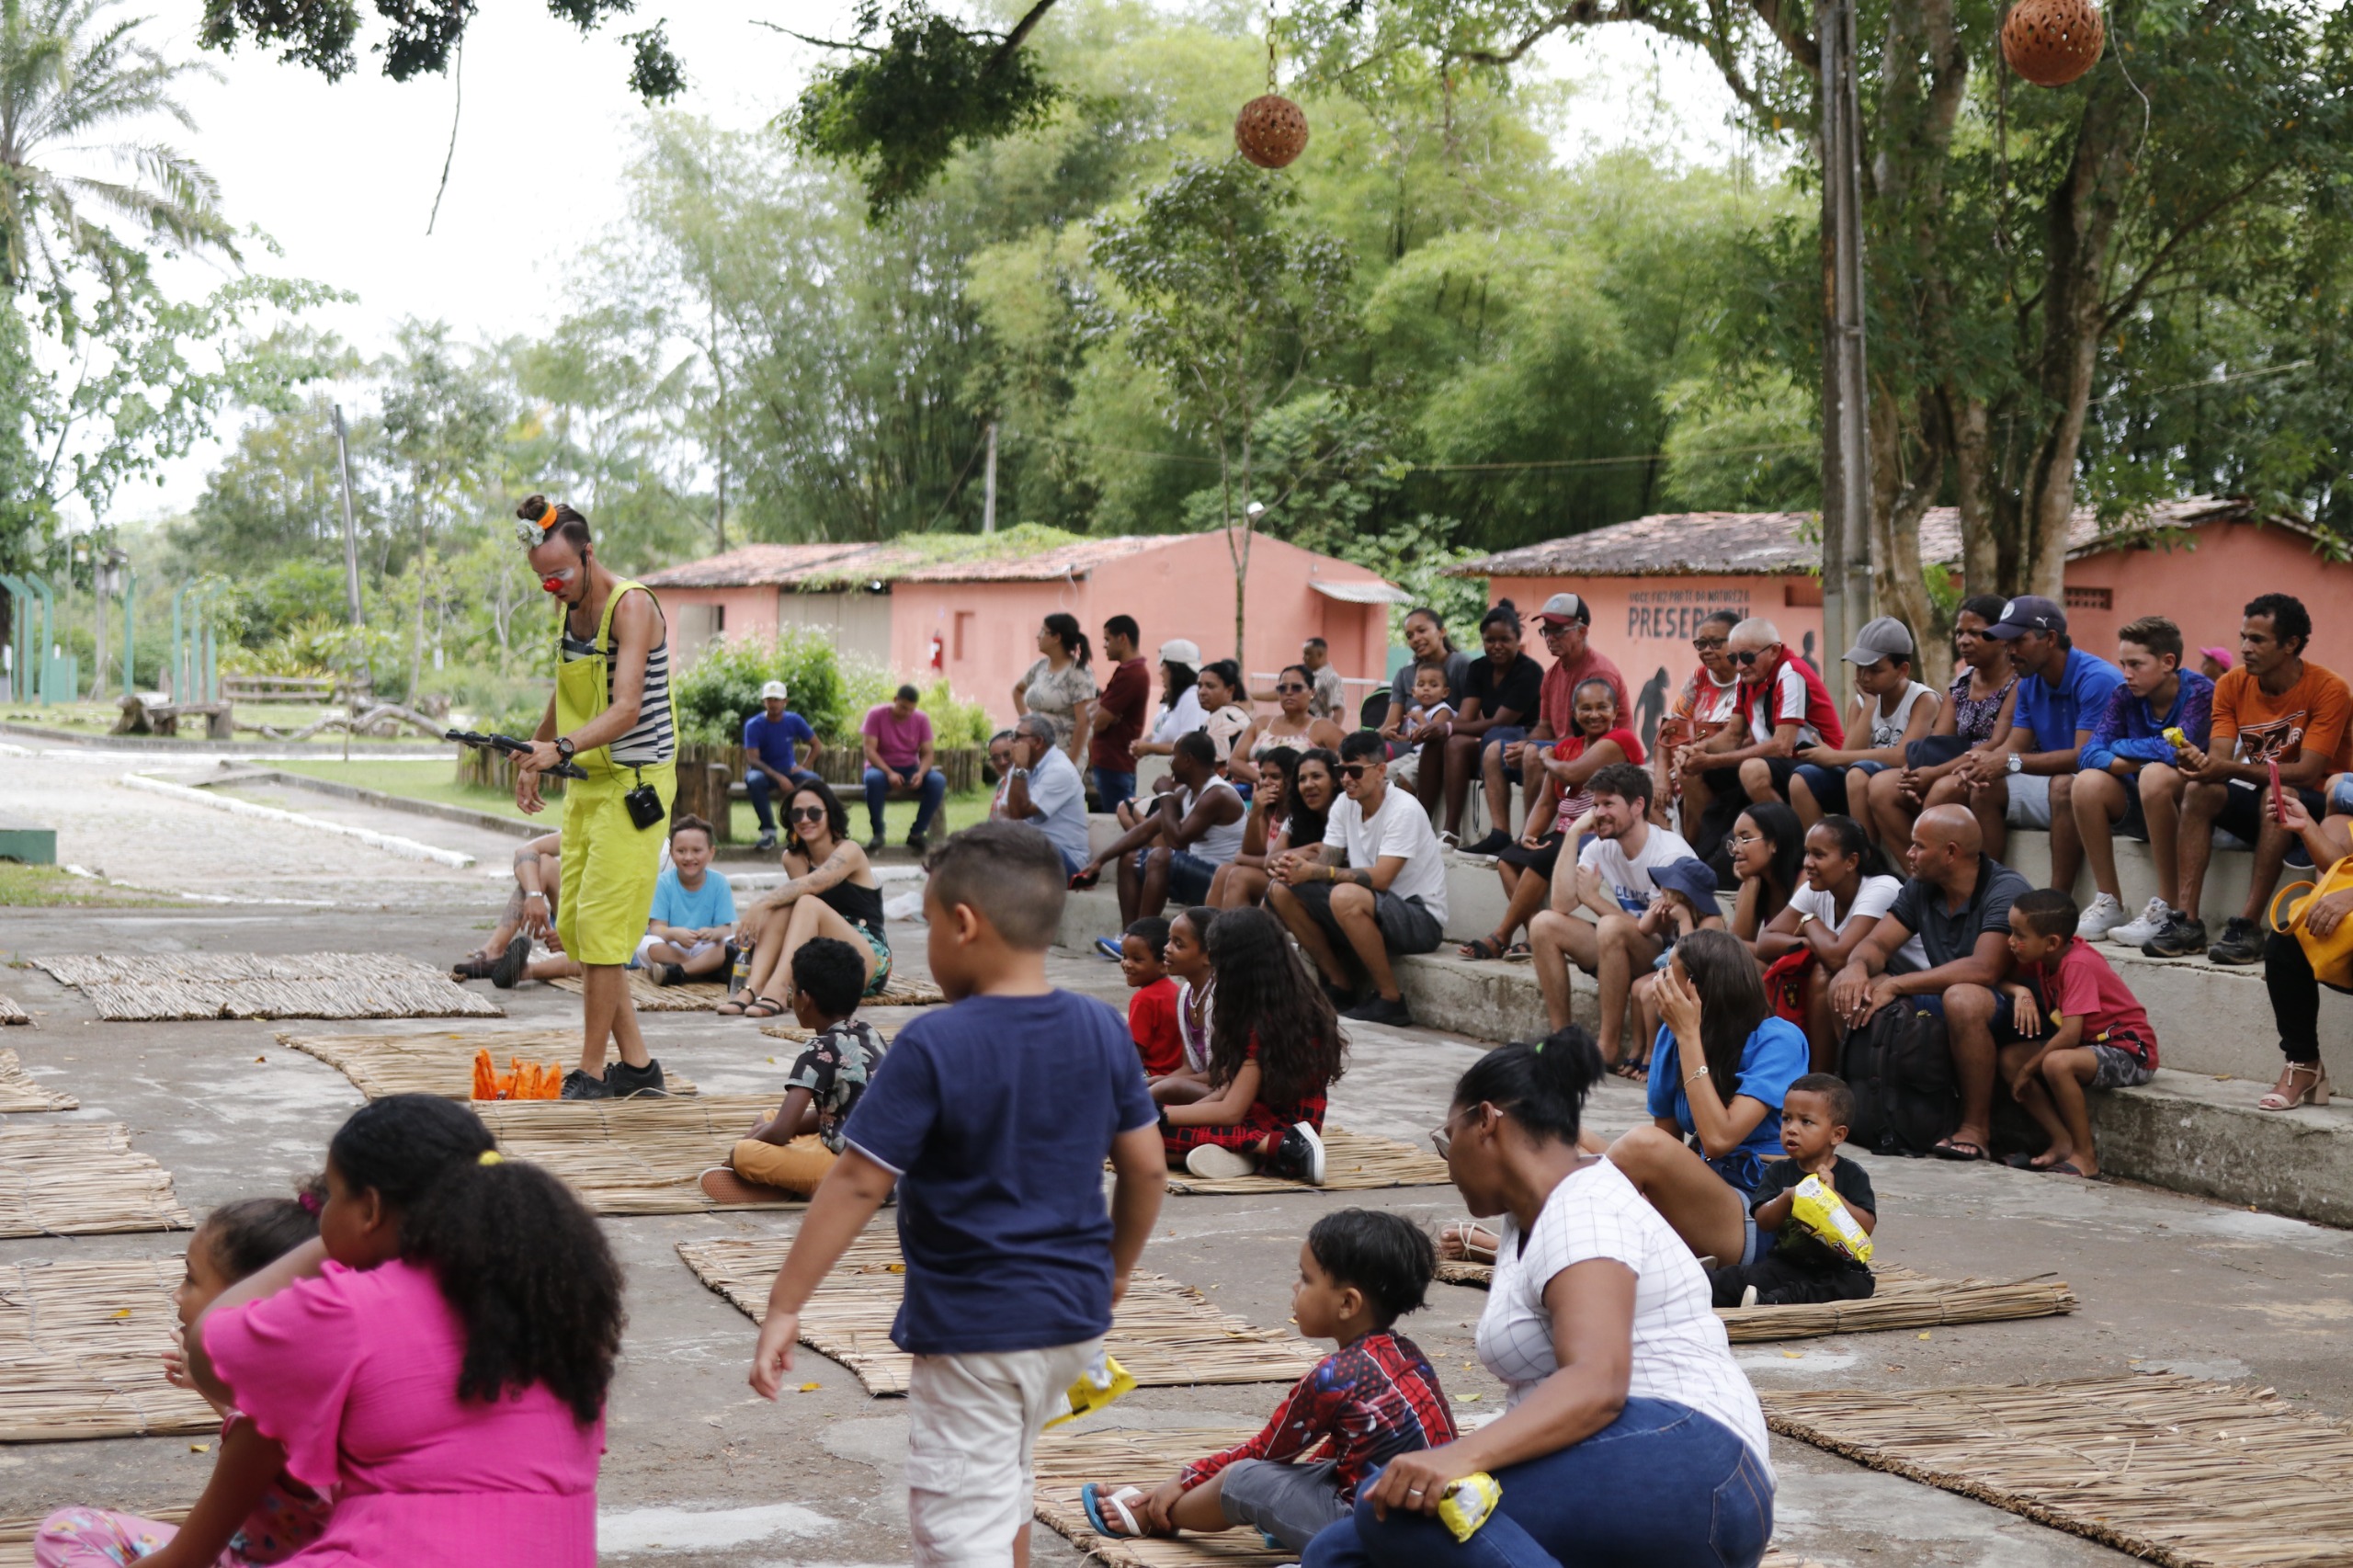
(974, 1422)
(797, 1167)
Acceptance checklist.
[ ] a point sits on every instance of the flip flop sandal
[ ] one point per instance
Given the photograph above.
(1962, 1151)
(1485, 950)
(2064, 1168)
(763, 1007)
(1093, 1500)
(1518, 952)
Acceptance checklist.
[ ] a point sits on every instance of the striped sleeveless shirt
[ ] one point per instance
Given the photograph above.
(654, 739)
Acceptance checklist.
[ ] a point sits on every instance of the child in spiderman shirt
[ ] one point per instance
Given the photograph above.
(1373, 1398)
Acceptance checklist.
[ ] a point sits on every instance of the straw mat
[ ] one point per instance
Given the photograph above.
(441, 1061)
(78, 1345)
(702, 995)
(81, 1179)
(1900, 1300)
(138, 988)
(10, 1013)
(638, 1156)
(793, 1032)
(1166, 1335)
(1353, 1162)
(19, 1090)
(1117, 1456)
(2188, 1473)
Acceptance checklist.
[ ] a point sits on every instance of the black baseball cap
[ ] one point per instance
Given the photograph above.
(2027, 612)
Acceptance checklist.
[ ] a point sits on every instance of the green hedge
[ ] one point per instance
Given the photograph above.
(830, 691)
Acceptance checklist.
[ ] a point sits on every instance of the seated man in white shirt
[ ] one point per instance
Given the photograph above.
(1611, 879)
(1042, 788)
(1377, 883)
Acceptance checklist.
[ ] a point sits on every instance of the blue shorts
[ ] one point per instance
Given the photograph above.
(1828, 785)
(1507, 735)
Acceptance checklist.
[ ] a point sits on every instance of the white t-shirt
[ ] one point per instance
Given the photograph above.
(1886, 730)
(1874, 898)
(1181, 719)
(1680, 1351)
(1630, 879)
(1400, 827)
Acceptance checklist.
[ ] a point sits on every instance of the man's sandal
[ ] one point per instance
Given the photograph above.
(1094, 1499)
(1486, 949)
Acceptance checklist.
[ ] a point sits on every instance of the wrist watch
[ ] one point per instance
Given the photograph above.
(2015, 762)
(564, 748)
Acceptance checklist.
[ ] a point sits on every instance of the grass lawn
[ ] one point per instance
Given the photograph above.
(437, 781)
(99, 719)
(46, 887)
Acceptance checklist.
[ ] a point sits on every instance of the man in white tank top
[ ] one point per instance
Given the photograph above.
(1190, 831)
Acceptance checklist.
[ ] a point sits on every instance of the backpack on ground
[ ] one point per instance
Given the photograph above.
(1900, 1068)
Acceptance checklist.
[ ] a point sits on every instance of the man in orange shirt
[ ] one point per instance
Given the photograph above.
(2276, 707)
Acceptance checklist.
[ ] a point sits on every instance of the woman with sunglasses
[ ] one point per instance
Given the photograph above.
(1302, 787)
(1290, 725)
(1629, 1433)
(832, 894)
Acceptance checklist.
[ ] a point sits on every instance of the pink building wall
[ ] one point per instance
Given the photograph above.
(2204, 581)
(1184, 588)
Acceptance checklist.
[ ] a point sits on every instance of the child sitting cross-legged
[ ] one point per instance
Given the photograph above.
(252, 1511)
(1375, 1397)
(2083, 1027)
(789, 1154)
(1275, 1051)
(1815, 1112)
(690, 931)
(1152, 1011)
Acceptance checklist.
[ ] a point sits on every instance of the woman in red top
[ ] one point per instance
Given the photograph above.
(1527, 866)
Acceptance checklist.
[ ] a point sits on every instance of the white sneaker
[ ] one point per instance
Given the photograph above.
(2104, 914)
(2153, 915)
(1211, 1163)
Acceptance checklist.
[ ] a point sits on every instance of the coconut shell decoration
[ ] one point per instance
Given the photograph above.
(1271, 130)
(2052, 42)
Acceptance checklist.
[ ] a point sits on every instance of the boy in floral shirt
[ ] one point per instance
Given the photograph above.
(789, 1154)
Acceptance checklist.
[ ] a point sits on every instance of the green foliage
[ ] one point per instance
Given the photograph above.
(867, 685)
(319, 35)
(722, 689)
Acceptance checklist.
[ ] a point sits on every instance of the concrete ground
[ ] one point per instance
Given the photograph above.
(700, 1471)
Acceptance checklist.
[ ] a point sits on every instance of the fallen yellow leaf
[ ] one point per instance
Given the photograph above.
(200, 1448)
(1924, 1334)
(810, 1387)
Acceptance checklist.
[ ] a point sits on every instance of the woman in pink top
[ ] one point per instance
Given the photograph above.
(439, 1357)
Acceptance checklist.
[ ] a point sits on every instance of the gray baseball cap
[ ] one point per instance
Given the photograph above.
(1566, 607)
(1884, 637)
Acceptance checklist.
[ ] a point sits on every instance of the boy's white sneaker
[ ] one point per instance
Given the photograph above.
(1748, 1295)
(2102, 914)
(1211, 1163)
(2153, 918)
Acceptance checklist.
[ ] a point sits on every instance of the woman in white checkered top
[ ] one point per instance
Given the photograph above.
(1630, 1435)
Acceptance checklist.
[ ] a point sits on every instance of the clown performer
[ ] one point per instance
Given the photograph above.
(612, 715)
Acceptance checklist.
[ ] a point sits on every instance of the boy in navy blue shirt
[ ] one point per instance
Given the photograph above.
(770, 764)
(993, 1118)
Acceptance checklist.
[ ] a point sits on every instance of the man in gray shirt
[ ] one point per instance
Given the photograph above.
(1045, 791)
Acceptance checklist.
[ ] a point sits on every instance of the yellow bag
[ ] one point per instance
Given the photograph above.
(1097, 1387)
(1817, 1206)
(2331, 956)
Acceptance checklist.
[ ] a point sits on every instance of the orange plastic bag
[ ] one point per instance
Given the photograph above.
(486, 1080)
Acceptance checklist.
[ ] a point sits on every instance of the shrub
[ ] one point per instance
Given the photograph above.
(723, 687)
(954, 722)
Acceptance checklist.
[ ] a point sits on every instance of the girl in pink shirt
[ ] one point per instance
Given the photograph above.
(439, 1357)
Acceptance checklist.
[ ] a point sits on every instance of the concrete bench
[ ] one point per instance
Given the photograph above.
(26, 842)
(140, 717)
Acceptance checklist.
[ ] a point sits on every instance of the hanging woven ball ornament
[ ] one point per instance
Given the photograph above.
(1270, 131)
(2052, 42)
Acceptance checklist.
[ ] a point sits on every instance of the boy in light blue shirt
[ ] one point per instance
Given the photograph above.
(688, 933)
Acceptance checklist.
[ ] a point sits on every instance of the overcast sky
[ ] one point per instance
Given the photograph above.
(343, 177)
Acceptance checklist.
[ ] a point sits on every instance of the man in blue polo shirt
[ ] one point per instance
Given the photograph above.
(2028, 782)
(769, 757)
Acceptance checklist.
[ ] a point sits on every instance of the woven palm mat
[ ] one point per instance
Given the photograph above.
(139, 988)
(1901, 1299)
(79, 1340)
(638, 1156)
(442, 1062)
(10, 1013)
(81, 1179)
(1353, 1162)
(702, 995)
(2184, 1473)
(1117, 1456)
(1166, 1335)
(20, 1091)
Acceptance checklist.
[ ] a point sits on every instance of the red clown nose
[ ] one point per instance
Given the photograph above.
(552, 585)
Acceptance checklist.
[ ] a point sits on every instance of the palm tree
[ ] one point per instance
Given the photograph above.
(70, 75)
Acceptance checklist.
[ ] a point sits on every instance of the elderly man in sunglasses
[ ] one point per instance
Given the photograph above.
(1375, 887)
(1787, 708)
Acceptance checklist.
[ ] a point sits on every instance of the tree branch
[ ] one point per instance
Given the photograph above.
(2196, 222)
(1021, 30)
(818, 42)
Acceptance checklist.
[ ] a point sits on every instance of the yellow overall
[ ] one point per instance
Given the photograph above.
(609, 863)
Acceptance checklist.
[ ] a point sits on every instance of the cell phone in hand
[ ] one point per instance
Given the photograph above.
(2279, 809)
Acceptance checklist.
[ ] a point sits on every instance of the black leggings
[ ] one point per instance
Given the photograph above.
(2295, 998)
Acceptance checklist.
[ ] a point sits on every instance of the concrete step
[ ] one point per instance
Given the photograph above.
(2198, 1134)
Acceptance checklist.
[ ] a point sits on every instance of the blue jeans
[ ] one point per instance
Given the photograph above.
(878, 789)
(763, 790)
(1111, 787)
(1662, 1486)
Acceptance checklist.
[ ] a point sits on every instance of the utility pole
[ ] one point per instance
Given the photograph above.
(350, 525)
(718, 377)
(1845, 387)
(988, 485)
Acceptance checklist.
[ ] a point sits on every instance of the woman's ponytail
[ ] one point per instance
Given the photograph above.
(1541, 1085)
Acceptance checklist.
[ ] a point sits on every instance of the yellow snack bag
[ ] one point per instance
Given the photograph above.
(1097, 1387)
(2175, 738)
(1817, 1206)
(1469, 1503)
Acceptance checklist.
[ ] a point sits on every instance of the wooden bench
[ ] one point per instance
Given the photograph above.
(317, 689)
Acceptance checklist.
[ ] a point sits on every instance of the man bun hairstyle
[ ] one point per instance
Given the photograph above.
(1385, 1256)
(2048, 912)
(2156, 633)
(832, 972)
(1009, 874)
(1837, 1099)
(518, 1258)
(1623, 779)
(250, 1234)
(1542, 1086)
(557, 518)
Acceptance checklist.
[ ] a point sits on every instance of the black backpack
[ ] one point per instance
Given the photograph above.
(1900, 1067)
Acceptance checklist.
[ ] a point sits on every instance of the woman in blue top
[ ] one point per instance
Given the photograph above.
(1718, 1072)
